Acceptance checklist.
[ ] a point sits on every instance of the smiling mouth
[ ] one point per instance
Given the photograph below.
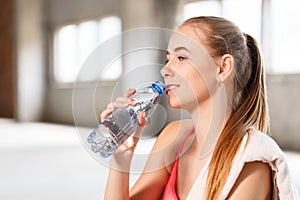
(171, 87)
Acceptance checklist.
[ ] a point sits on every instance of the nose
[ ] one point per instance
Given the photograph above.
(166, 71)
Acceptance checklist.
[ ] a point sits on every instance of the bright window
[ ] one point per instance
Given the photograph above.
(75, 42)
(245, 14)
(285, 36)
(281, 27)
(204, 8)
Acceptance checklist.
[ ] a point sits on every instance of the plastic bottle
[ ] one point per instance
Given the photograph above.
(123, 122)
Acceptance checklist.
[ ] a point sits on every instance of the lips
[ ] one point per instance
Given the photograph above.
(171, 87)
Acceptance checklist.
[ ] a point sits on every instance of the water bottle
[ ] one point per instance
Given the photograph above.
(123, 122)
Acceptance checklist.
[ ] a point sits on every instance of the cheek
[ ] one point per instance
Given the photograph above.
(198, 85)
(203, 76)
(194, 87)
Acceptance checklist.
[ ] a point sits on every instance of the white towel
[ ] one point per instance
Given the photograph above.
(258, 147)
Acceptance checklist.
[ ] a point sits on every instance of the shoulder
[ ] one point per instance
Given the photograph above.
(175, 130)
(258, 159)
(261, 146)
(259, 137)
(254, 182)
(253, 168)
(170, 138)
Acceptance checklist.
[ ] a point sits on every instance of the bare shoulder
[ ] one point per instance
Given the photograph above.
(254, 182)
(167, 144)
(173, 133)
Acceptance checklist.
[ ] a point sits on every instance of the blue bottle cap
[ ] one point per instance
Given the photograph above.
(159, 87)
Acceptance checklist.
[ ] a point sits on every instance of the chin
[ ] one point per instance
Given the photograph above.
(174, 104)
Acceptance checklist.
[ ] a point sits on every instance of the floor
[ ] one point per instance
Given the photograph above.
(41, 161)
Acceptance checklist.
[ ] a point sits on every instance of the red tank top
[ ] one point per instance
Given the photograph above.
(170, 192)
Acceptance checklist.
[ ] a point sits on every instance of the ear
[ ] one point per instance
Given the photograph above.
(225, 67)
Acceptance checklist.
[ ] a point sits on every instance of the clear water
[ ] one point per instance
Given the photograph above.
(102, 143)
(113, 131)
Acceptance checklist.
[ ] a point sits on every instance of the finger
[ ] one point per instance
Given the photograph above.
(123, 99)
(105, 113)
(120, 104)
(130, 92)
(110, 106)
(126, 101)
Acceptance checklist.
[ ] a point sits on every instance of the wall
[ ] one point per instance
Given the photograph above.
(283, 98)
(7, 58)
(30, 69)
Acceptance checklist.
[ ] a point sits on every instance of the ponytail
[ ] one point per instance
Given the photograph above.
(255, 90)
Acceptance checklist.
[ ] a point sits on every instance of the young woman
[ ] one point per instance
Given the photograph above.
(215, 72)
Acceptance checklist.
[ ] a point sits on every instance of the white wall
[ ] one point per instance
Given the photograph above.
(30, 60)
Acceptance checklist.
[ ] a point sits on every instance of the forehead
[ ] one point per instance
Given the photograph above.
(188, 37)
(192, 32)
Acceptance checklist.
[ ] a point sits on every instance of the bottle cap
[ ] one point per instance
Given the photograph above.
(159, 87)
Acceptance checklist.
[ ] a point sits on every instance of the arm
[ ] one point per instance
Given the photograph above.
(117, 186)
(254, 182)
(153, 180)
(151, 184)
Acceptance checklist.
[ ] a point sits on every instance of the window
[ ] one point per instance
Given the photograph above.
(75, 42)
(204, 8)
(285, 36)
(245, 14)
(276, 18)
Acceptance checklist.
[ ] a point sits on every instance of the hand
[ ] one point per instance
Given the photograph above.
(123, 102)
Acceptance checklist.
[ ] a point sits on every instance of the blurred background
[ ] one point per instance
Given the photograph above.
(44, 44)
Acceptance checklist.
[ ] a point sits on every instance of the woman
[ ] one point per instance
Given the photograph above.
(222, 151)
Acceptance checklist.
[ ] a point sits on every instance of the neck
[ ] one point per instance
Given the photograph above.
(209, 118)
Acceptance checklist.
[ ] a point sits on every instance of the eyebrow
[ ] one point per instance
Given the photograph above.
(179, 49)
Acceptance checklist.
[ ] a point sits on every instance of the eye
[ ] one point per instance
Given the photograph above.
(181, 58)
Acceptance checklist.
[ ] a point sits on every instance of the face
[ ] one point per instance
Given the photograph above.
(190, 73)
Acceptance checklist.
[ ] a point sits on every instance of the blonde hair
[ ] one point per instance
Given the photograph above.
(249, 104)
